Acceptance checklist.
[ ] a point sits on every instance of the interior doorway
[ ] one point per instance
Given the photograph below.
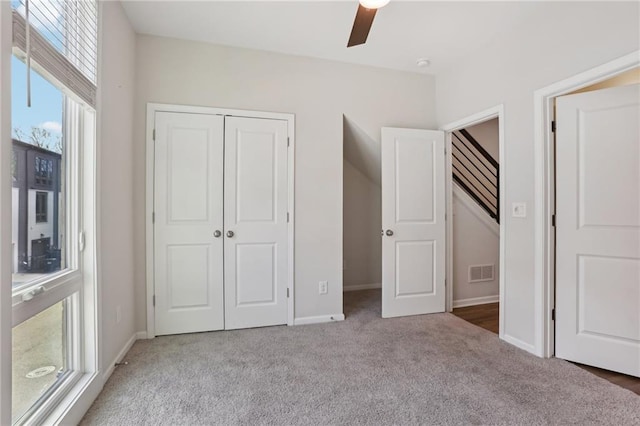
(588, 96)
(408, 230)
(475, 213)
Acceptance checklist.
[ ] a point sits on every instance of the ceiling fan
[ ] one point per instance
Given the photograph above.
(364, 19)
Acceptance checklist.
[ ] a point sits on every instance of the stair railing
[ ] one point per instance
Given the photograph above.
(476, 171)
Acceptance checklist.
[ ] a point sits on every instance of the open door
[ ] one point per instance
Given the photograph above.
(598, 228)
(413, 221)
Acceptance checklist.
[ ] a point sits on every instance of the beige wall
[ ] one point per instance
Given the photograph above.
(476, 241)
(486, 133)
(362, 224)
(578, 37)
(318, 92)
(115, 195)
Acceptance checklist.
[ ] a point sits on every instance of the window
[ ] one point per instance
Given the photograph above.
(41, 206)
(53, 200)
(43, 171)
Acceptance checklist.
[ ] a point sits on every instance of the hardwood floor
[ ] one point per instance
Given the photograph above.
(487, 317)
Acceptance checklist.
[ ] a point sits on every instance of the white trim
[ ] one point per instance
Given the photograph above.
(141, 335)
(152, 109)
(518, 343)
(461, 303)
(545, 191)
(319, 319)
(75, 405)
(5, 212)
(475, 209)
(488, 114)
(119, 357)
(359, 287)
(149, 191)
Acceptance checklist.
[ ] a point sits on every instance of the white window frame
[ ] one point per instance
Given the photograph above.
(78, 280)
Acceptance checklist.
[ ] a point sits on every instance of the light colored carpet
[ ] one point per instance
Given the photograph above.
(430, 369)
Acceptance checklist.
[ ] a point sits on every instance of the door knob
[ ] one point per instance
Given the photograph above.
(389, 232)
(230, 234)
(217, 233)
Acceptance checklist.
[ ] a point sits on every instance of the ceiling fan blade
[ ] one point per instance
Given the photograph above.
(361, 26)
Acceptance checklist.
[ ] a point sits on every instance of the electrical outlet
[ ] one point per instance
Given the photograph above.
(118, 314)
(323, 287)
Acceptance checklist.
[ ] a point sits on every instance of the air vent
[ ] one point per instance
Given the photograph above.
(480, 273)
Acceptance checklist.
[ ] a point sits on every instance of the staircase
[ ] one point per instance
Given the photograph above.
(476, 172)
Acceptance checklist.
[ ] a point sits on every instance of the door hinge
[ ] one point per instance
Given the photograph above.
(154, 135)
(154, 300)
(153, 217)
(553, 314)
(553, 126)
(81, 241)
(287, 292)
(288, 141)
(553, 220)
(287, 217)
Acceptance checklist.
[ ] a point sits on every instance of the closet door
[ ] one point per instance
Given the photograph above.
(255, 217)
(188, 251)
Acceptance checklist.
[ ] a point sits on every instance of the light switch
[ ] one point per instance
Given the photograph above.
(519, 209)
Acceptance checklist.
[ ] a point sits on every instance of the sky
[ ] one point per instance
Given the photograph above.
(46, 101)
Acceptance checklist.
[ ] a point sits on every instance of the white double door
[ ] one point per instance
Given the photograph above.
(413, 221)
(220, 227)
(598, 228)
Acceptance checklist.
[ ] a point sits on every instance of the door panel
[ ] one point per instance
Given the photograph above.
(598, 228)
(256, 274)
(256, 217)
(188, 209)
(413, 210)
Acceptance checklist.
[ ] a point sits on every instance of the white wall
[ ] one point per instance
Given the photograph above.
(319, 92)
(115, 195)
(575, 38)
(362, 224)
(476, 241)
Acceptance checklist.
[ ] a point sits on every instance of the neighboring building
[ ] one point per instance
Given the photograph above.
(36, 207)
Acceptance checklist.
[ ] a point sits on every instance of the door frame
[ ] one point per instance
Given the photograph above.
(152, 109)
(544, 164)
(480, 117)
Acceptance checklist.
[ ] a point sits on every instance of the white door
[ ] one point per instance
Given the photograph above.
(255, 216)
(413, 221)
(188, 210)
(598, 229)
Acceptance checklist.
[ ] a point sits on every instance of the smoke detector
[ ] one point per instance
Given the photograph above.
(423, 62)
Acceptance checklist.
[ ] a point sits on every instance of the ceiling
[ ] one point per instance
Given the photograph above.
(443, 32)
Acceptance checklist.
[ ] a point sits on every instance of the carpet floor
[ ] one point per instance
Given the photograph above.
(428, 369)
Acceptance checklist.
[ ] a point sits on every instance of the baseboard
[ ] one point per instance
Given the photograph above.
(141, 335)
(461, 303)
(519, 344)
(318, 319)
(127, 346)
(357, 287)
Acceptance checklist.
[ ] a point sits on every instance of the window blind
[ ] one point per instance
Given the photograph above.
(62, 39)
